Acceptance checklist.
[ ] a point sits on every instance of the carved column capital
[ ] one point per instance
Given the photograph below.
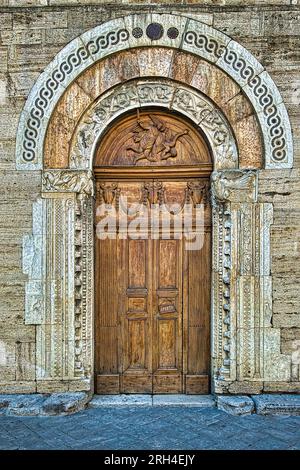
(234, 186)
(74, 181)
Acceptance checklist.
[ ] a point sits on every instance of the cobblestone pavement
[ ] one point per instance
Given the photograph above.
(150, 428)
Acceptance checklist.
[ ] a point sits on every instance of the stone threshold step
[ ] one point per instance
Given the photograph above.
(266, 404)
(199, 401)
(66, 403)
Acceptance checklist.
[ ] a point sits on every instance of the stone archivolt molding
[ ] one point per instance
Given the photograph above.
(159, 93)
(171, 31)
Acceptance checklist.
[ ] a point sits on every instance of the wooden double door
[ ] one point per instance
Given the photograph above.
(152, 310)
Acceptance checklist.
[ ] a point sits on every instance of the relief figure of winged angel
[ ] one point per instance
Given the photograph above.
(153, 141)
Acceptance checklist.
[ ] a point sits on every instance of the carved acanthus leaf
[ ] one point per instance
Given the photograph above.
(68, 181)
(234, 186)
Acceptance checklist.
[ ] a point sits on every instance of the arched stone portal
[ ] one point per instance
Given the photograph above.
(246, 126)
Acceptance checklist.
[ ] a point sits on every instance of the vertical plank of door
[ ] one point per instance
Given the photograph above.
(185, 316)
(106, 318)
(136, 373)
(198, 307)
(122, 263)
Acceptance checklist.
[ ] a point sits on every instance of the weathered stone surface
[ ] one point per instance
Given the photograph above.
(42, 404)
(52, 386)
(290, 338)
(279, 387)
(277, 404)
(239, 405)
(245, 387)
(286, 294)
(17, 387)
(64, 403)
(285, 247)
(290, 320)
(23, 405)
(120, 400)
(199, 401)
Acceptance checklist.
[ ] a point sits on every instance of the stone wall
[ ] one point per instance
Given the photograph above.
(32, 32)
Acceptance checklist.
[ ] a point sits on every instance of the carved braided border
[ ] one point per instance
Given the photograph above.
(57, 77)
(262, 92)
(255, 82)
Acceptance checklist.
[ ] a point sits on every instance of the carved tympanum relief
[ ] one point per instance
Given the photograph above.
(153, 140)
(141, 139)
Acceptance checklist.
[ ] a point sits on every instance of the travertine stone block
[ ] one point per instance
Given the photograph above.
(245, 387)
(288, 320)
(17, 387)
(276, 366)
(236, 406)
(289, 387)
(277, 404)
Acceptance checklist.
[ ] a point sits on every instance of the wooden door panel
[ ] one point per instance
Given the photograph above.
(168, 383)
(167, 309)
(107, 297)
(137, 264)
(136, 353)
(152, 302)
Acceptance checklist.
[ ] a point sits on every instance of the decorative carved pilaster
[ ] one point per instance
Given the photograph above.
(246, 347)
(222, 292)
(58, 258)
(84, 288)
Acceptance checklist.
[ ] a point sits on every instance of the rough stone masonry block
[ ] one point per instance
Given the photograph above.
(239, 405)
(277, 404)
(64, 403)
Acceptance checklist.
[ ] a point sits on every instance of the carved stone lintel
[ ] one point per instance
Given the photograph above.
(234, 186)
(68, 181)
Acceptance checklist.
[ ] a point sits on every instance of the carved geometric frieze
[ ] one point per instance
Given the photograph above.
(153, 92)
(155, 30)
